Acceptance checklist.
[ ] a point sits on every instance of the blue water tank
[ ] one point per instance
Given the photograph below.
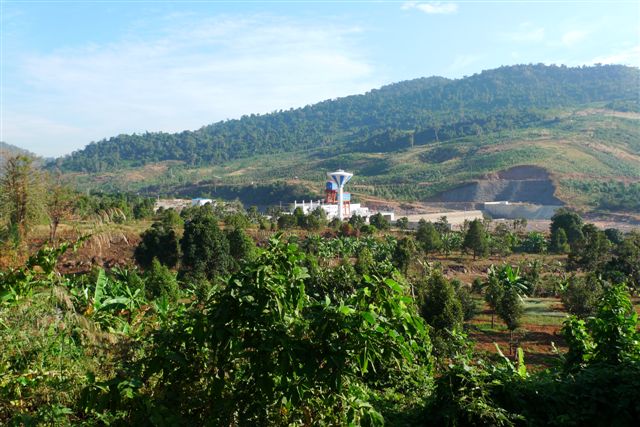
(332, 186)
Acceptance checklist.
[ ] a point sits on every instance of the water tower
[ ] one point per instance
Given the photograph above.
(340, 178)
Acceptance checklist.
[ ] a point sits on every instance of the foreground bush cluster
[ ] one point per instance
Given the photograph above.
(293, 335)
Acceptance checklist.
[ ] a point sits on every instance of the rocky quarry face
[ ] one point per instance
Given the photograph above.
(527, 184)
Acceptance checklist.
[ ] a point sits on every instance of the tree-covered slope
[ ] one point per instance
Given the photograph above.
(394, 117)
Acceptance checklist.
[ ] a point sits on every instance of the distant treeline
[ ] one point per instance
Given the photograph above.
(471, 125)
(249, 194)
(395, 116)
(611, 195)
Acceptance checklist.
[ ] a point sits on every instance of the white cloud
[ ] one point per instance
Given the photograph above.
(188, 74)
(526, 32)
(432, 8)
(629, 56)
(573, 37)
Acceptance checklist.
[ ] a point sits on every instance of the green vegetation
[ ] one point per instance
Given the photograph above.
(541, 116)
(476, 239)
(304, 329)
(160, 242)
(204, 247)
(442, 310)
(221, 316)
(398, 116)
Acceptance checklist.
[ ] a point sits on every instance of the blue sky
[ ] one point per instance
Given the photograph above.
(76, 72)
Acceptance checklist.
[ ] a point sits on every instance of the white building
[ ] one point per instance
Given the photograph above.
(200, 201)
(330, 209)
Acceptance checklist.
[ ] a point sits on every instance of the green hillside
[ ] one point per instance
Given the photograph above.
(591, 156)
(414, 141)
(400, 115)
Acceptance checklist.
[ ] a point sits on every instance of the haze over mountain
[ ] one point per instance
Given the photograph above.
(414, 140)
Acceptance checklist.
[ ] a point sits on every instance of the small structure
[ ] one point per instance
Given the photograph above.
(454, 218)
(199, 201)
(339, 179)
(336, 203)
(176, 204)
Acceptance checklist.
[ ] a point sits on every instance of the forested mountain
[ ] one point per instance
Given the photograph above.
(396, 116)
(12, 150)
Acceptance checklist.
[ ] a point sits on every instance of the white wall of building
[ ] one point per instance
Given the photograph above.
(330, 209)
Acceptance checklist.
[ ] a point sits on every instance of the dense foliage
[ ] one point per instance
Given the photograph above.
(323, 325)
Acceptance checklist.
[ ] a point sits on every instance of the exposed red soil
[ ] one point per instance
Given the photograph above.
(106, 251)
(537, 341)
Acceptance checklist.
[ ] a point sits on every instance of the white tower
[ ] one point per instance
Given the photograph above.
(340, 177)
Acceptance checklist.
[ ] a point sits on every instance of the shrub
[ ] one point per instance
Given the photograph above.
(379, 221)
(241, 246)
(442, 310)
(205, 248)
(402, 223)
(476, 239)
(158, 242)
(160, 282)
(428, 237)
(368, 229)
(614, 235)
(534, 243)
(570, 222)
(467, 303)
(266, 352)
(559, 243)
(611, 337)
(590, 252)
(581, 295)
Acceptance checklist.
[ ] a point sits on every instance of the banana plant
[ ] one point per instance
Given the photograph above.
(111, 295)
(509, 278)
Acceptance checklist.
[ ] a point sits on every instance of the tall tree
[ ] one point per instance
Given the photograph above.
(205, 249)
(510, 309)
(60, 204)
(403, 253)
(499, 281)
(476, 239)
(568, 221)
(590, 252)
(441, 309)
(625, 265)
(21, 197)
(428, 237)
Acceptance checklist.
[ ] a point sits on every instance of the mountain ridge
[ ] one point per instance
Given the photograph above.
(419, 110)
